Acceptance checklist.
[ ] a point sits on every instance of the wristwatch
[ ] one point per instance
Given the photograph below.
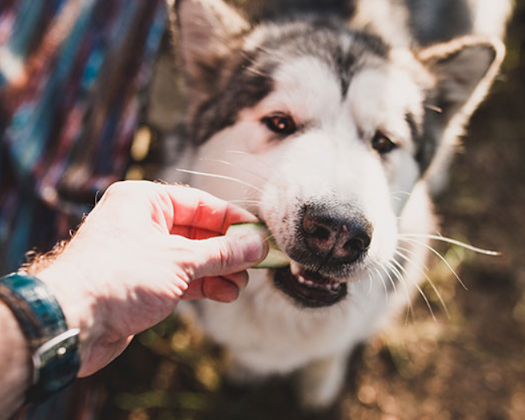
(54, 347)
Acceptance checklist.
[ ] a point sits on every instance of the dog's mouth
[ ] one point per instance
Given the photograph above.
(310, 289)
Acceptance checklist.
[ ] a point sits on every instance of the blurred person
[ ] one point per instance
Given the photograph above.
(72, 79)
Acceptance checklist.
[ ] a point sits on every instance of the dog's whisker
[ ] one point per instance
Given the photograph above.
(395, 194)
(399, 277)
(419, 289)
(413, 241)
(246, 56)
(375, 267)
(380, 275)
(272, 236)
(225, 162)
(434, 108)
(429, 280)
(393, 283)
(401, 192)
(245, 201)
(380, 271)
(370, 284)
(264, 50)
(452, 242)
(413, 254)
(257, 72)
(251, 63)
(423, 270)
(225, 177)
(243, 153)
(251, 205)
(397, 274)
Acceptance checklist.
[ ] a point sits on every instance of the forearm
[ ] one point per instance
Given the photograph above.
(15, 365)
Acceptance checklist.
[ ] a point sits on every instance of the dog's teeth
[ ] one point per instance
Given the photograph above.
(328, 287)
(295, 269)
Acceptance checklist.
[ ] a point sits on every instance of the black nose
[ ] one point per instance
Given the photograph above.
(337, 234)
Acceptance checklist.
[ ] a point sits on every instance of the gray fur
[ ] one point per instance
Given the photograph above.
(434, 21)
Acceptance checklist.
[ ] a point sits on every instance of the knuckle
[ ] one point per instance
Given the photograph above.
(116, 187)
(129, 188)
(226, 254)
(117, 190)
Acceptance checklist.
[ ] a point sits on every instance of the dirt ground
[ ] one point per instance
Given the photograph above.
(469, 365)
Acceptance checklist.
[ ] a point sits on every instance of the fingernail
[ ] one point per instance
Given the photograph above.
(254, 246)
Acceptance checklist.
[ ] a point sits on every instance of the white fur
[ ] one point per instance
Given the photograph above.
(384, 17)
(491, 16)
(264, 330)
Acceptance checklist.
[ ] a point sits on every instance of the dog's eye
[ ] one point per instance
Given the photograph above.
(382, 143)
(280, 123)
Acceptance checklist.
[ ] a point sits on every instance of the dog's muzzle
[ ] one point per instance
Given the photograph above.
(330, 241)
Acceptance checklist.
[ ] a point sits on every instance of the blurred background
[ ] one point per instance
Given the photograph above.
(468, 365)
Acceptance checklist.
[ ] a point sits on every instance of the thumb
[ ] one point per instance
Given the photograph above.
(224, 255)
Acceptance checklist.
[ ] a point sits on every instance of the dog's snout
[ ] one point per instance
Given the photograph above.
(336, 235)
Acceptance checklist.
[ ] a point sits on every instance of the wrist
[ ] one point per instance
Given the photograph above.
(67, 282)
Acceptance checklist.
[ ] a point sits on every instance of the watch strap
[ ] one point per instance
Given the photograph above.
(56, 357)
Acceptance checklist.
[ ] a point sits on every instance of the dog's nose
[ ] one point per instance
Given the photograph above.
(337, 235)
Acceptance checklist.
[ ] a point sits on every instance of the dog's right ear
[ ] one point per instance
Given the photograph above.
(208, 31)
(464, 70)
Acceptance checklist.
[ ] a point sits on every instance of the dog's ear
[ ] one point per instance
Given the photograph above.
(208, 30)
(464, 69)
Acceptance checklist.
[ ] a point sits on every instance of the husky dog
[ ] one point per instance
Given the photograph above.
(329, 128)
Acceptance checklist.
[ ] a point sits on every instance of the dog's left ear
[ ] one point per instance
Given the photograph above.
(207, 33)
(464, 69)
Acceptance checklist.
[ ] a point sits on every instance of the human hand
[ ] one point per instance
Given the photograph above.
(144, 247)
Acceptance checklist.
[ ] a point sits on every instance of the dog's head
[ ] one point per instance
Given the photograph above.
(325, 129)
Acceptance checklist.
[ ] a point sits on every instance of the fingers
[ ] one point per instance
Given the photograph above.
(218, 269)
(172, 206)
(220, 289)
(193, 233)
(224, 255)
(200, 210)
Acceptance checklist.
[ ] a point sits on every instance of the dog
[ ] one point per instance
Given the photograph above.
(332, 128)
